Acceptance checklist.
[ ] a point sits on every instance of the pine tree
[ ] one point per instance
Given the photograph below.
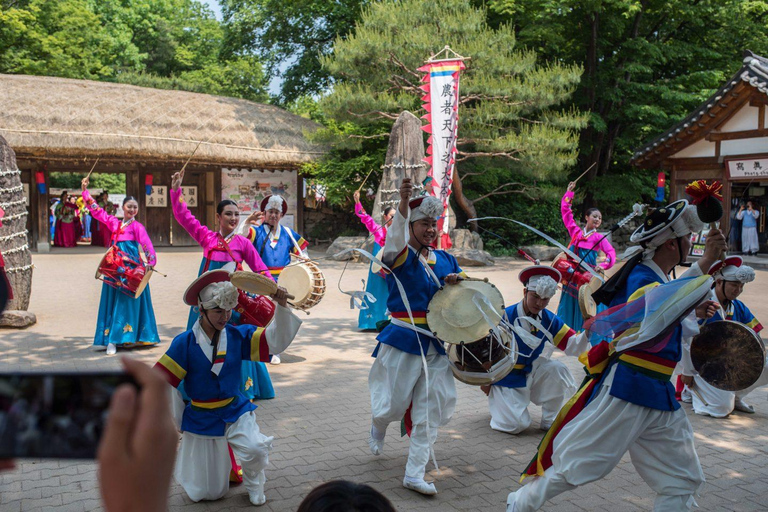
(513, 129)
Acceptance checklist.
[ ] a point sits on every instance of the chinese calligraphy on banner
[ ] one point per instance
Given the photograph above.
(752, 168)
(441, 102)
(190, 196)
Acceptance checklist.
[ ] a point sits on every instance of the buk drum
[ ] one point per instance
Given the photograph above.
(254, 306)
(728, 355)
(305, 281)
(571, 272)
(485, 361)
(122, 272)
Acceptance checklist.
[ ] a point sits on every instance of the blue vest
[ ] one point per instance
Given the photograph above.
(278, 257)
(526, 355)
(420, 288)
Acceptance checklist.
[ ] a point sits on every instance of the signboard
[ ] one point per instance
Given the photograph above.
(190, 196)
(748, 168)
(158, 198)
(248, 187)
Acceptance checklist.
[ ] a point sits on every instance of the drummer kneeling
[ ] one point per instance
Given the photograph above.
(730, 277)
(208, 359)
(535, 378)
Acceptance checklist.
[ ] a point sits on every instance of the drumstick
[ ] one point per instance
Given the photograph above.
(154, 270)
(585, 172)
(366, 179)
(692, 389)
(484, 279)
(92, 168)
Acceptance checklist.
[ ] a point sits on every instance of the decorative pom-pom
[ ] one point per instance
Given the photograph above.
(707, 198)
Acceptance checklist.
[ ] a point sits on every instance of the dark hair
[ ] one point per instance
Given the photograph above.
(65, 193)
(220, 207)
(590, 211)
(388, 209)
(344, 496)
(129, 198)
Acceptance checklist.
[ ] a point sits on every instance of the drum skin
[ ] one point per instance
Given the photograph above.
(728, 355)
(305, 281)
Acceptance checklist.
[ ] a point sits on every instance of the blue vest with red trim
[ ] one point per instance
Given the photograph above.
(420, 288)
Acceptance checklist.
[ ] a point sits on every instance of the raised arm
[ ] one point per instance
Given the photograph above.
(565, 211)
(98, 213)
(397, 234)
(366, 219)
(183, 216)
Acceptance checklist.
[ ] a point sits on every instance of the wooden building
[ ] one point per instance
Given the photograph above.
(724, 139)
(236, 148)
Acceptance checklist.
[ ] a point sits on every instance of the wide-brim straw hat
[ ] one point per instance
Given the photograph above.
(454, 317)
(210, 277)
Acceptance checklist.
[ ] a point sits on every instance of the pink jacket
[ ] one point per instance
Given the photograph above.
(133, 231)
(379, 232)
(581, 240)
(242, 249)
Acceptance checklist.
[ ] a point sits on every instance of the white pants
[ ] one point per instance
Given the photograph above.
(203, 464)
(397, 379)
(549, 385)
(720, 403)
(749, 241)
(660, 444)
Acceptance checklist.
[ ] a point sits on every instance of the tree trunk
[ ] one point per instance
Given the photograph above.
(13, 233)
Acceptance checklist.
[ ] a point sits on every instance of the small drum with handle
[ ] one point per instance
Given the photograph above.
(571, 272)
(252, 302)
(122, 272)
(305, 281)
(587, 304)
(728, 355)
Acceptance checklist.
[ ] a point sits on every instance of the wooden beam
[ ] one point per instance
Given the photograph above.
(743, 134)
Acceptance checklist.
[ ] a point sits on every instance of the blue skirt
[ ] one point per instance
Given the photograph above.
(122, 319)
(256, 383)
(377, 311)
(568, 309)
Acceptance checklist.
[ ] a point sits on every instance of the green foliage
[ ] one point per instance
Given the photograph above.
(112, 182)
(647, 64)
(291, 36)
(170, 44)
(511, 113)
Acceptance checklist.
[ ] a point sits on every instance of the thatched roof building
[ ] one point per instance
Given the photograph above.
(242, 150)
(82, 118)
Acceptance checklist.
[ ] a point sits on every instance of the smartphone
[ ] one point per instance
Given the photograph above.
(55, 415)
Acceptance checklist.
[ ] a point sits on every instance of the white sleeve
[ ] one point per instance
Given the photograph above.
(282, 329)
(694, 271)
(686, 358)
(755, 213)
(177, 406)
(740, 214)
(577, 345)
(242, 228)
(397, 238)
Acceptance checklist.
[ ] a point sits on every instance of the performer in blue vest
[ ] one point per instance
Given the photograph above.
(208, 359)
(628, 403)
(730, 277)
(535, 377)
(407, 350)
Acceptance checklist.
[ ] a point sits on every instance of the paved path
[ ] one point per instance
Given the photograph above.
(320, 417)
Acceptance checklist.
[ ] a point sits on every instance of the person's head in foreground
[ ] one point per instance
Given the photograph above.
(344, 496)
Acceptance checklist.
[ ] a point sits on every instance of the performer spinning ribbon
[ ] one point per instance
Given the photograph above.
(223, 248)
(376, 285)
(208, 358)
(535, 378)
(585, 242)
(627, 402)
(407, 351)
(730, 277)
(123, 320)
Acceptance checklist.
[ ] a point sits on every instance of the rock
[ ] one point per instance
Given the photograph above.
(541, 252)
(18, 319)
(472, 257)
(349, 242)
(466, 239)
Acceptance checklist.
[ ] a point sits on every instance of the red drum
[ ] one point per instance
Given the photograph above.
(255, 309)
(571, 273)
(122, 272)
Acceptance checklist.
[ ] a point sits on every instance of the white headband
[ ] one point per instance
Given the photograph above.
(743, 274)
(218, 295)
(274, 203)
(431, 207)
(544, 286)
